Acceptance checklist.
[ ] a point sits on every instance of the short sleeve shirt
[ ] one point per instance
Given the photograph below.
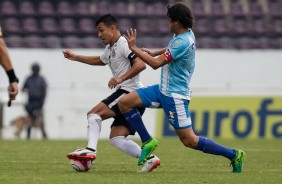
(118, 58)
(176, 75)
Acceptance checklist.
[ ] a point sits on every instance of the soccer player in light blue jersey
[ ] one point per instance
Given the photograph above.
(173, 93)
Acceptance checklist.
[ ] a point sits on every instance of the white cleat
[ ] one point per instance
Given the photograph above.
(82, 153)
(150, 164)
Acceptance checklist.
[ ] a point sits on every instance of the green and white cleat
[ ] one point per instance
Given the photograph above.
(237, 162)
(147, 150)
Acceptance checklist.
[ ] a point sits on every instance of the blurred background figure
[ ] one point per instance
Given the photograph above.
(36, 87)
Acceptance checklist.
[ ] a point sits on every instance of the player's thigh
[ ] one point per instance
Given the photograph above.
(177, 111)
(142, 97)
(130, 100)
(103, 110)
(108, 107)
(150, 96)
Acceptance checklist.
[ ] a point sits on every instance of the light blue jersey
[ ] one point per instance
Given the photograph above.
(176, 75)
(173, 93)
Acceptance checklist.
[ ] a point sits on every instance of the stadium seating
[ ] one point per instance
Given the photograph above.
(236, 9)
(12, 25)
(231, 24)
(15, 41)
(121, 8)
(92, 42)
(217, 9)
(202, 27)
(125, 24)
(103, 7)
(262, 43)
(198, 8)
(240, 27)
(220, 27)
(255, 9)
(225, 43)
(244, 43)
(71, 42)
(159, 8)
(30, 25)
(259, 27)
(49, 26)
(83, 8)
(275, 8)
(140, 9)
(33, 41)
(26, 8)
(87, 26)
(68, 25)
(65, 8)
(144, 26)
(46, 8)
(8, 8)
(206, 42)
(162, 26)
(51, 42)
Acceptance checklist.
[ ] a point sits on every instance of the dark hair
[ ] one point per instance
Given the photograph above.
(35, 68)
(108, 20)
(181, 13)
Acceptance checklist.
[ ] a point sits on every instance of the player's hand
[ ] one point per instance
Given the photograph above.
(131, 38)
(13, 90)
(69, 54)
(148, 51)
(114, 82)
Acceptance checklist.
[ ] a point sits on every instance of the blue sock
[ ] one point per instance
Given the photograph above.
(208, 146)
(135, 121)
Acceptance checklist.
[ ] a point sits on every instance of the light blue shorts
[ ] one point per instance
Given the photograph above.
(175, 108)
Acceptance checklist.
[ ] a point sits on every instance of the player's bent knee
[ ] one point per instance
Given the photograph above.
(122, 105)
(91, 112)
(190, 143)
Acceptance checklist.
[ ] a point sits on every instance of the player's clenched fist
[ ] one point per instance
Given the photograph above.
(69, 54)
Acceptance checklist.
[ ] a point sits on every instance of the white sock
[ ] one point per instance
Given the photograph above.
(93, 130)
(127, 146)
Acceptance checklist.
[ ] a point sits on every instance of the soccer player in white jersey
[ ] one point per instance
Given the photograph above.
(125, 67)
(173, 93)
(6, 63)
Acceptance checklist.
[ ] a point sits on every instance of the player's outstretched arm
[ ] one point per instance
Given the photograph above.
(6, 63)
(155, 63)
(91, 60)
(5, 58)
(153, 53)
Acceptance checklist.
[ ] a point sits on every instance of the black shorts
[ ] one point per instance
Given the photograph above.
(112, 102)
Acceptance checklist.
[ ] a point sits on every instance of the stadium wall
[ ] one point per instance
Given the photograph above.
(236, 94)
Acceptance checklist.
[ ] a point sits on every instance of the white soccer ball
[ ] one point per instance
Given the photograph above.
(81, 165)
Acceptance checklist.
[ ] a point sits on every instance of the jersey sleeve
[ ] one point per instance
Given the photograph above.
(104, 57)
(175, 50)
(127, 53)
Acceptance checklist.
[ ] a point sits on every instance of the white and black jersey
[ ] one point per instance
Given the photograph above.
(119, 58)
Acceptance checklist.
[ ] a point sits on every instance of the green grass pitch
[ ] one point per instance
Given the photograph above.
(40, 162)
